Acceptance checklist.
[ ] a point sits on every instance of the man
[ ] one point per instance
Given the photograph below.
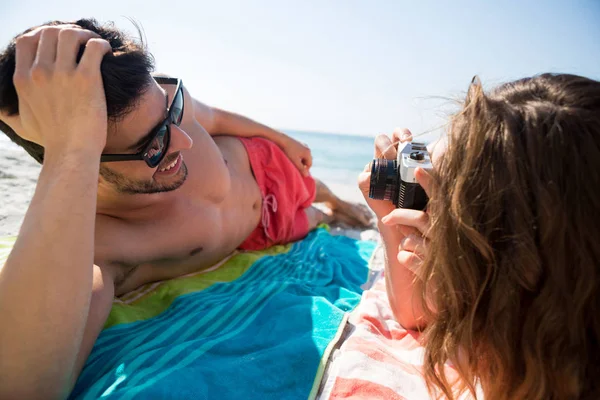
(134, 188)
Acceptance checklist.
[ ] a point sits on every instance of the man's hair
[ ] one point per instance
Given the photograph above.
(512, 274)
(126, 77)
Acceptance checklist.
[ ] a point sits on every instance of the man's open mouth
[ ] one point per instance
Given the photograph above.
(171, 166)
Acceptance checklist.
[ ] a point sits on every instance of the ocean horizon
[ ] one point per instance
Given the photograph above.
(338, 158)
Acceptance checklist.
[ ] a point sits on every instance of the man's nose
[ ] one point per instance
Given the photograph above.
(179, 139)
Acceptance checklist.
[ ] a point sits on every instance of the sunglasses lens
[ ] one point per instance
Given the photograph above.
(157, 148)
(177, 107)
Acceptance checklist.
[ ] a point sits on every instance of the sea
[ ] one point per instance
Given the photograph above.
(337, 158)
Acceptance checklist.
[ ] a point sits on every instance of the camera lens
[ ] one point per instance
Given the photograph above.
(384, 179)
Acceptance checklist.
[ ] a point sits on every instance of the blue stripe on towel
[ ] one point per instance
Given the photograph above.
(258, 337)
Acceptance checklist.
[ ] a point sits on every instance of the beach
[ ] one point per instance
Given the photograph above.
(19, 173)
(18, 176)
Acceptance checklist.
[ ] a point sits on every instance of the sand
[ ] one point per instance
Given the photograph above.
(18, 176)
(19, 173)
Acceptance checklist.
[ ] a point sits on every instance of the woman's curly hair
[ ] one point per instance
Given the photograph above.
(513, 271)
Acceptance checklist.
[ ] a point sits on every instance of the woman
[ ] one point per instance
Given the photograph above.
(502, 271)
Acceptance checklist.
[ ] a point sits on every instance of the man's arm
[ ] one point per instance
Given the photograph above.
(103, 293)
(221, 122)
(46, 283)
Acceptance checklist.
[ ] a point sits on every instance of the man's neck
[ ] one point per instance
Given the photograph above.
(131, 206)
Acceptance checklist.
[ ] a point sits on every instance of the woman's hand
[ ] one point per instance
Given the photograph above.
(384, 148)
(404, 233)
(413, 226)
(404, 236)
(299, 154)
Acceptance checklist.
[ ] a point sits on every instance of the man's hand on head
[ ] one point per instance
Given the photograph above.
(62, 104)
(62, 107)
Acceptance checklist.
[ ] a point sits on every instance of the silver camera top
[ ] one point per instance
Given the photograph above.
(410, 156)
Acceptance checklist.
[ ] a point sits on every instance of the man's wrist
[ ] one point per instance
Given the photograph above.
(72, 155)
(279, 138)
(89, 143)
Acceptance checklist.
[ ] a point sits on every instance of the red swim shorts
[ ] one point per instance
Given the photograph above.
(285, 192)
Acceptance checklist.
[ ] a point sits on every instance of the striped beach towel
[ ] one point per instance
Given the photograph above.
(378, 358)
(257, 326)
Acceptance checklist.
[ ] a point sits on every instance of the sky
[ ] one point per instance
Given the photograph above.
(350, 67)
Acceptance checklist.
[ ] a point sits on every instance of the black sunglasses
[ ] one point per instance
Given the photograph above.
(160, 136)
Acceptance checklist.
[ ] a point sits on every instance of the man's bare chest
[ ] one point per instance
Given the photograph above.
(191, 231)
(186, 238)
(176, 235)
(161, 243)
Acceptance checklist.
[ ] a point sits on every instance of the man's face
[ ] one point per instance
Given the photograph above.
(130, 135)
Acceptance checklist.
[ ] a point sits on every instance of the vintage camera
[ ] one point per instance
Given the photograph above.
(394, 180)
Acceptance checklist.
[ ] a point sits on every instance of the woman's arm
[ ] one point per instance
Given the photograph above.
(402, 233)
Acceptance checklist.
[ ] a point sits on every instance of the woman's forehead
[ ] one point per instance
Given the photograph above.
(437, 149)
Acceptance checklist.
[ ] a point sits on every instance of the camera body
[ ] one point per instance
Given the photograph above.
(394, 180)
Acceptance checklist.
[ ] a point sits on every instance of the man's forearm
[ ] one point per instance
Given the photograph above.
(45, 285)
(228, 123)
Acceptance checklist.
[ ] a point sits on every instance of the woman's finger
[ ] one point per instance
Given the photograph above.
(408, 230)
(414, 243)
(424, 179)
(410, 260)
(408, 217)
(401, 135)
(384, 148)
